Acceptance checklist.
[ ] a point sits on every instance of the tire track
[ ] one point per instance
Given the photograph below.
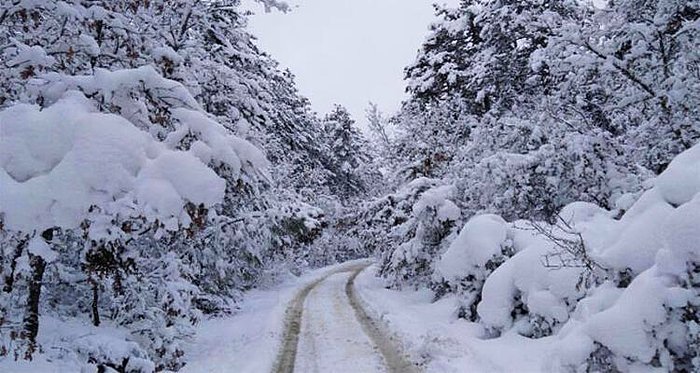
(388, 347)
(396, 360)
(286, 357)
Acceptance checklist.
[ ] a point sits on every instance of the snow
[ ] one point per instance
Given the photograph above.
(216, 143)
(331, 337)
(438, 197)
(681, 237)
(73, 343)
(498, 295)
(166, 52)
(438, 341)
(115, 86)
(680, 182)
(100, 149)
(623, 328)
(89, 44)
(30, 56)
(175, 177)
(478, 242)
(57, 162)
(577, 212)
(114, 160)
(448, 211)
(656, 239)
(638, 241)
(248, 342)
(545, 292)
(37, 246)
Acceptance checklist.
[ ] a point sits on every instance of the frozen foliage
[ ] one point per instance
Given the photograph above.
(414, 220)
(521, 109)
(653, 321)
(348, 154)
(154, 165)
(527, 106)
(53, 171)
(618, 293)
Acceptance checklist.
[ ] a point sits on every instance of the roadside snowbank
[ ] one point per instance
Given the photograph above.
(597, 290)
(435, 338)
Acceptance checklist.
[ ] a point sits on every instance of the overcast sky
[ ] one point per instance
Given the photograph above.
(347, 51)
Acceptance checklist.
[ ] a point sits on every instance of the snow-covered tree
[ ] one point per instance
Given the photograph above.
(147, 256)
(347, 150)
(629, 69)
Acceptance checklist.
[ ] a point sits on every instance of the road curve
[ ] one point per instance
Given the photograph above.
(326, 328)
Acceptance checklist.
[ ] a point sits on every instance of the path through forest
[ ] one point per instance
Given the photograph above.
(327, 329)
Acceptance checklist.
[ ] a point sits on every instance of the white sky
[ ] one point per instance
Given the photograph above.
(347, 51)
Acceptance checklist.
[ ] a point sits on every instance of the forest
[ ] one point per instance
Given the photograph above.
(156, 166)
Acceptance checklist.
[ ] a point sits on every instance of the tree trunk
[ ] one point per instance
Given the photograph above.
(95, 301)
(31, 317)
(10, 278)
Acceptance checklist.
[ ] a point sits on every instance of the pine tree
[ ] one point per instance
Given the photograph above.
(347, 149)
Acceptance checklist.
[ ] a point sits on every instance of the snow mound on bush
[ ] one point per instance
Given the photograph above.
(650, 322)
(478, 242)
(216, 143)
(639, 240)
(211, 142)
(681, 180)
(524, 282)
(438, 197)
(57, 163)
(581, 212)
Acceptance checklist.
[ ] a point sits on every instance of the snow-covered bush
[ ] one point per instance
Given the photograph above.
(69, 168)
(621, 293)
(423, 216)
(535, 290)
(654, 321)
(114, 353)
(527, 106)
(68, 158)
(371, 225)
(481, 246)
(536, 174)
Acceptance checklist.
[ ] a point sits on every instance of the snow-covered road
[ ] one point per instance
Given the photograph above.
(328, 331)
(331, 336)
(343, 319)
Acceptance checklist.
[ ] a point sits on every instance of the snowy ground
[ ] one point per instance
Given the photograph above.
(332, 338)
(440, 342)
(250, 340)
(58, 337)
(331, 335)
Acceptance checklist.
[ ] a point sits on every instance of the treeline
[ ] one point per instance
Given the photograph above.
(154, 165)
(517, 110)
